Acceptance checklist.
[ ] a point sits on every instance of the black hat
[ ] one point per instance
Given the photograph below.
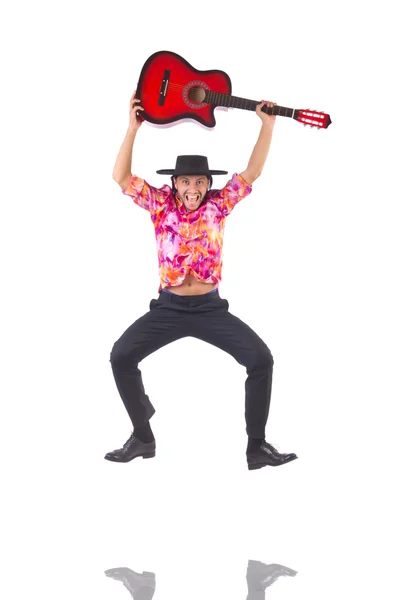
(191, 164)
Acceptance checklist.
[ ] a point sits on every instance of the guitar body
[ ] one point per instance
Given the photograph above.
(170, 89)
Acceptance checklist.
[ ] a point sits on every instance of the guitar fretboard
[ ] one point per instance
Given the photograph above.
(236, 102)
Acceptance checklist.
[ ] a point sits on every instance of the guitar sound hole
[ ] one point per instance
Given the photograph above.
(196, 94)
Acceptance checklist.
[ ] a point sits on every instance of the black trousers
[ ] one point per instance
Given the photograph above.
(205, 317)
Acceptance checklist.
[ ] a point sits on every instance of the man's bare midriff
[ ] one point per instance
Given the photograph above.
(191, 287)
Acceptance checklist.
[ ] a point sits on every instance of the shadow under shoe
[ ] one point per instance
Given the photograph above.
(267, 455)
(260, 576)
(133, 448)
(140, 585)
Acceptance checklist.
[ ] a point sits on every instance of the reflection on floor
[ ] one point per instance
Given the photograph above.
(259, 577)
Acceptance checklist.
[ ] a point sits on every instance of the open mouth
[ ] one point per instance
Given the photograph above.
(192, 199)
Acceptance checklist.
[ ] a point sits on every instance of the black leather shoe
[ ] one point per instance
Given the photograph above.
(132, 449)
(144, 583)
(267, 455)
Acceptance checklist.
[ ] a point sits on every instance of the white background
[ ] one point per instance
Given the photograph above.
(309, 264)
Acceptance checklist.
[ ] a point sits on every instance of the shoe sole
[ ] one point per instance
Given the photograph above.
(149, 455)
(146, 455)
(261, 465)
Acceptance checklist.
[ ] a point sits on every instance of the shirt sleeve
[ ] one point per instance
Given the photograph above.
(235, 190)
(146, 196)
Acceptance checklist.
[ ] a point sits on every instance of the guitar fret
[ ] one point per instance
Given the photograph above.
(244, 103)
(220, 99)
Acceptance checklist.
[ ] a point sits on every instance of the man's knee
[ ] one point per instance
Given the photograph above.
(268, 359)
(265, 358)
(118, 356)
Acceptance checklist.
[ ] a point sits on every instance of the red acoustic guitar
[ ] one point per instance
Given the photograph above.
(170, 89)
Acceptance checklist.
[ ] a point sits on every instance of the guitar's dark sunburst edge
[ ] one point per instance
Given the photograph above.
(183, 115)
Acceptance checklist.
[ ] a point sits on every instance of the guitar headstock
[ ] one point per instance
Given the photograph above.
(313, 118)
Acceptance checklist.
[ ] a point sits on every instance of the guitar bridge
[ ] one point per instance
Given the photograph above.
(164, 86)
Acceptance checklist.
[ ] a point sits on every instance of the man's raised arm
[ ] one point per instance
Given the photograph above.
(122, 167)
(261, 148)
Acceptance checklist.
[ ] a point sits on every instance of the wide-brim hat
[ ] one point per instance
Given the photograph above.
(191, 164)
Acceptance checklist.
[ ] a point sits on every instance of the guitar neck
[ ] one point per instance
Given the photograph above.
(236, 102)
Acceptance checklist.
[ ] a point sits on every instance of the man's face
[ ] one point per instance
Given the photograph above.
(191, 189)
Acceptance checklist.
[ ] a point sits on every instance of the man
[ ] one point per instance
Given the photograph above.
(189, 219)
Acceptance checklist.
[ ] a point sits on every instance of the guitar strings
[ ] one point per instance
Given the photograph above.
(195, 93)
(317, 119)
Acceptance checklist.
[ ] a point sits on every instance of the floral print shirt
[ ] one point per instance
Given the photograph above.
(188, 242)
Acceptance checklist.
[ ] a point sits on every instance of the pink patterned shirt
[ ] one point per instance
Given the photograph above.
(188, 242)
